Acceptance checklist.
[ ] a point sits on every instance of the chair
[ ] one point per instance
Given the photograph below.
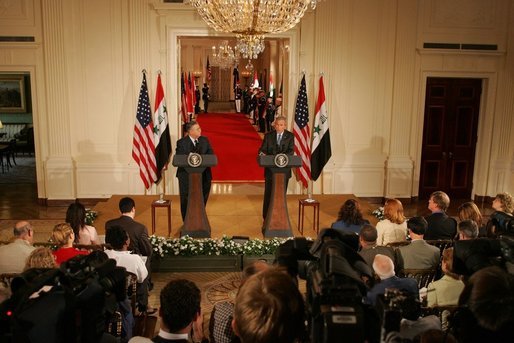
(131, 290)
(422, 276)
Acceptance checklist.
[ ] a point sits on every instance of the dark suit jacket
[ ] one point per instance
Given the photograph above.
(440, 226)
(405, 284)
(137, 232)
(270, 147)
(185, 146)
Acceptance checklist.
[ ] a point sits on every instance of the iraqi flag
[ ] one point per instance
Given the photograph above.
(321, 150)
(161, 131)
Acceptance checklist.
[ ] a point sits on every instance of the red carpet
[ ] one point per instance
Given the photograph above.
(236, 143)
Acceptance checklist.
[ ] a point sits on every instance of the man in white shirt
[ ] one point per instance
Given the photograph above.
(14, 255)
(118, 238)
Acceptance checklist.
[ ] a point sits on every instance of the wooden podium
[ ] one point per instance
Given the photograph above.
(196, 223)
(277, 223)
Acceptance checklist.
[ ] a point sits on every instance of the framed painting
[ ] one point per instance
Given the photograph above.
(12, 93)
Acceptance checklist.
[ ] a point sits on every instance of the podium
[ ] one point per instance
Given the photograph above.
(277, 223)
(196, 223)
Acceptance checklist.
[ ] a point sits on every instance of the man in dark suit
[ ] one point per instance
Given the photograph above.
(369, 248)
(440, 225)
(278, 141)
(139, 244)
(384, 269)
(194, 142)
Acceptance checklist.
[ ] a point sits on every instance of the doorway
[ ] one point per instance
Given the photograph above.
(450, 126)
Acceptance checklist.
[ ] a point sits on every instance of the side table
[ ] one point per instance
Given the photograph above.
(164, 203)
(302, 203)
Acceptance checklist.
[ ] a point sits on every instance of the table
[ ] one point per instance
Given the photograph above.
(166, 204)
(302, 203)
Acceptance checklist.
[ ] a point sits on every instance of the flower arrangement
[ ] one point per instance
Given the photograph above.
(224, 246)
(90, 216)
(379, 213)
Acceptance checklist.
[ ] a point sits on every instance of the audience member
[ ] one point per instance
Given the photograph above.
(486, 308)
(369, 247)
(469, 210)
(269, 308)
(350, 217)
(503, 206)
(384, 269)
(14, 254)
(138, 233)
(180, 314)
(76, 217)
(40, 257)
(467, 229)
(64, 237)
(445, 291)
(220, 324)
(393, 228)
(440, 225)
(419, 254)
(119, 240)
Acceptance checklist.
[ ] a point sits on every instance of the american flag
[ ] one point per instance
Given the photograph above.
(143, 148)
(302, 135)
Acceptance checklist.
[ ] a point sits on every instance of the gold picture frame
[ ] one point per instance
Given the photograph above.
(12, 93)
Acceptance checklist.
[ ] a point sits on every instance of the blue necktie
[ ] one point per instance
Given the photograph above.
(279, 138)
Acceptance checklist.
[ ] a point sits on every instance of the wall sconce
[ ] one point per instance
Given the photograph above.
(197, 74)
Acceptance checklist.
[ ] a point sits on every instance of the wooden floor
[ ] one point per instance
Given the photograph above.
(232, 208)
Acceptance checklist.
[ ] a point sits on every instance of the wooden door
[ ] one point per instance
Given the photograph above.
(449, 136)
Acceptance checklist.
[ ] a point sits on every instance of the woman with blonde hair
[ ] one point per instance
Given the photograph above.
(393, 228)
(64, 237)
(503, 206)
(469, 211)
(41, 257)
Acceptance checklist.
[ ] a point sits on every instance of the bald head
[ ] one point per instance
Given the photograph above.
(23, 230)
(383, 266)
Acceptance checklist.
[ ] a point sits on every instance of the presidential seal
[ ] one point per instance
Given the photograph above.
(194, 160)
(281, 160)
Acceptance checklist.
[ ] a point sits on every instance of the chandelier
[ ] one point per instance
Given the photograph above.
(252, 17)
(250, 45)
(224, 56)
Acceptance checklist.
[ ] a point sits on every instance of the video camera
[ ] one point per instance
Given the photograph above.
(472, 255)
(334, 273)
(69, 304)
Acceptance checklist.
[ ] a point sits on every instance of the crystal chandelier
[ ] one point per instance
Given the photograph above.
(224, 56)
(250, 45)
(252, 17)
(250, 20)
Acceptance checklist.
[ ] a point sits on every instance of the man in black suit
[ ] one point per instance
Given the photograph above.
(139, 244)
(440, 225)
(278, 141)
(194, 142)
